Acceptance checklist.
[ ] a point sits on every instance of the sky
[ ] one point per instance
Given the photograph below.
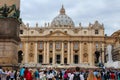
(106, 12)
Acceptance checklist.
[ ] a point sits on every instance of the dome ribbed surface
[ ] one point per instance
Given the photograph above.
(62, 20)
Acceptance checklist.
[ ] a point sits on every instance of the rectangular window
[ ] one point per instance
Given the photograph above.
(58, 46)
(21, 31)
(76, 59)
(96, 31)
(50, 61)
(51, 45)
(58, 59)
(65, 45)
(76, 45)
(41, 45)
(40, 58)
(65, 60)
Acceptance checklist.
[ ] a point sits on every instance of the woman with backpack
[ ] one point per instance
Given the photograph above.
(65, 76)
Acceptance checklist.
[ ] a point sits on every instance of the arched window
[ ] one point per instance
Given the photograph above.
(50, 32)
(20, 56)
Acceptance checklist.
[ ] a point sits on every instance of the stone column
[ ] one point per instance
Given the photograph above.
(90, 54)
(103, 53)
(71, 52)
(68, 55)
(80, 52)
(44, 55)
(62, 59)
(53, 53)
(35, 58)
(47, 58)
(26, 52)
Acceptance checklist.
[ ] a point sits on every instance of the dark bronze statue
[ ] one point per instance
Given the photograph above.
(5, 11)
(16, 12)
(10, 11)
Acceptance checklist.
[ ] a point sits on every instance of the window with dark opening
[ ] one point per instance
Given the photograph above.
(76, 59)
(58, 59)
(21, 31)
(40, 59)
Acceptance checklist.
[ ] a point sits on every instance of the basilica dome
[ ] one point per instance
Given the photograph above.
(62, 20)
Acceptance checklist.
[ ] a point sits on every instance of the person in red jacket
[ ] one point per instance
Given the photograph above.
(112, 76)
(27, 74)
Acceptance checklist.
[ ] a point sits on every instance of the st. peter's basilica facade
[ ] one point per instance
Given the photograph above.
(61, 42)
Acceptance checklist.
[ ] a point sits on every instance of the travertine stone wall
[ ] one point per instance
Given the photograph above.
(8, 52)
(9, 40)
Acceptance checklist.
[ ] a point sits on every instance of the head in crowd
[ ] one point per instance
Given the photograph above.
(91, 76)
(77, 69)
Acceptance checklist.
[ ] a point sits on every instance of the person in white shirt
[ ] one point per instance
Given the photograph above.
(50, 75)
(71, 76)
(81, 77)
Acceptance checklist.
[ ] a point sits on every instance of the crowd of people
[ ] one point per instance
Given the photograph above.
(76, 73)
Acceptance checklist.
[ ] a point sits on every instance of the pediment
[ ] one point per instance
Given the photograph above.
(58, 33)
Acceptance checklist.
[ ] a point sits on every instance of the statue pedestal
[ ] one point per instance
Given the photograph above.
(9, 39)
(115, 64)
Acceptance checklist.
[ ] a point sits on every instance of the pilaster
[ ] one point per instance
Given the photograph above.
(35, 58)
(71, 52)
(53, 53)
(68, 55)
(47, 52)
(26, 52)
(62, 59)
(44, 54)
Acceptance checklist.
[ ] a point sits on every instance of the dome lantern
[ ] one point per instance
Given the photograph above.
(62, 10)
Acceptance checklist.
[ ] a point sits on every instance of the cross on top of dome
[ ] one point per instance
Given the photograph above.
(62, 10)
